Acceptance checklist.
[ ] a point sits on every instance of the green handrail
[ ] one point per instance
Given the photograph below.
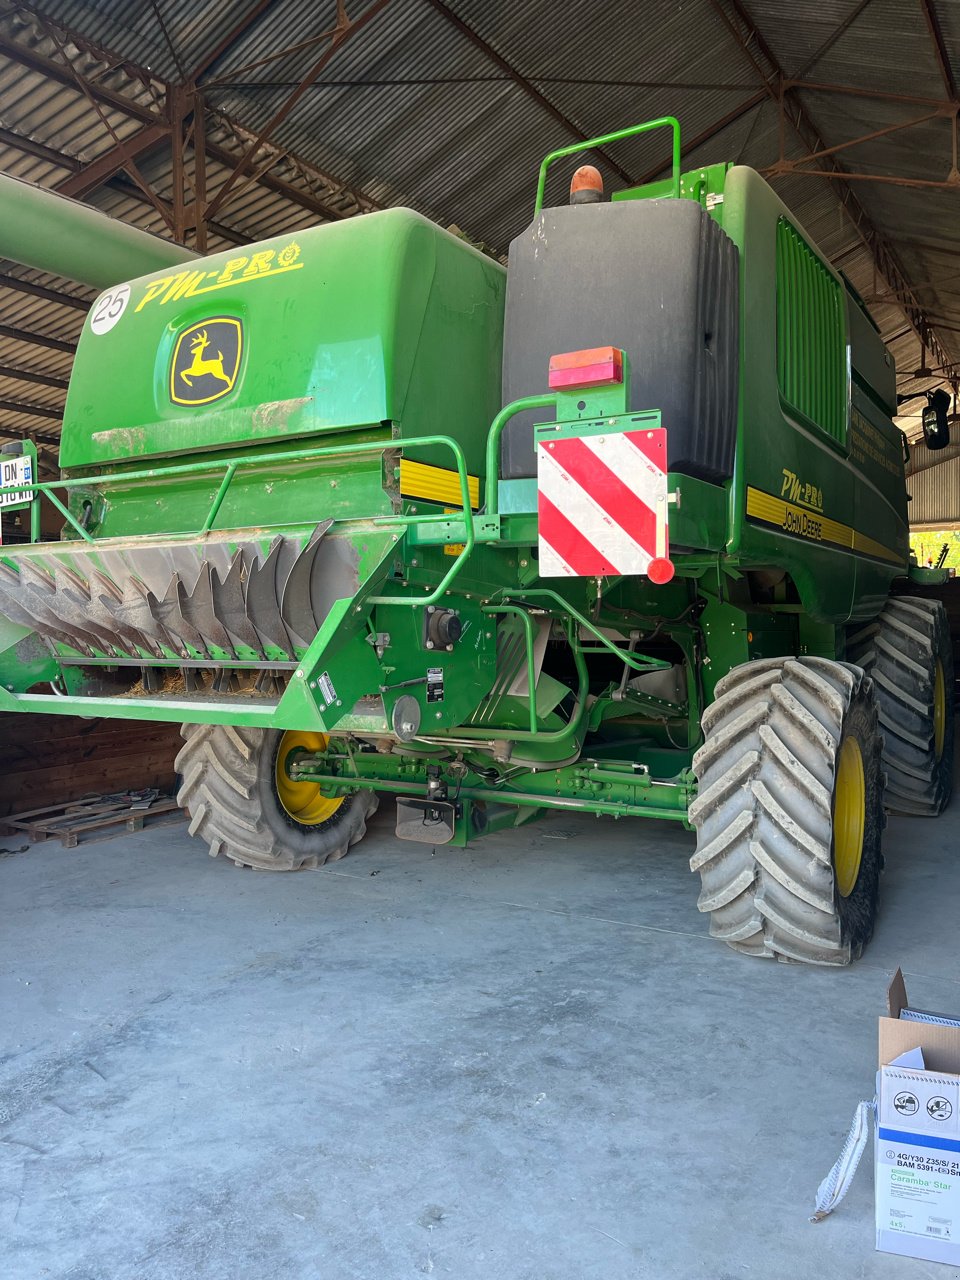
(527, 622)
(567, 732)
(637, 664)
(663, 122)
(232, 465)
(547, 401)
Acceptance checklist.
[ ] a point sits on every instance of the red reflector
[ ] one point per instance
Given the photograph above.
(660, 570)
(597, 367)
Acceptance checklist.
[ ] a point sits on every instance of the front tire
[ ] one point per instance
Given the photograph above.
(908, 654)
(241, 802)
(789, 812)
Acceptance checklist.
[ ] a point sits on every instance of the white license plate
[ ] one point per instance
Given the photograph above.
(15, 471)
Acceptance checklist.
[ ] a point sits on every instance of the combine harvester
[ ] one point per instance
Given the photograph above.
(612, 531)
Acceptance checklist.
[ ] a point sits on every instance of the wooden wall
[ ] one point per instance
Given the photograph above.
(47, 760)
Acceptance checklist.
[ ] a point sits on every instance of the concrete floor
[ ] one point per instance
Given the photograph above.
(525, 1062)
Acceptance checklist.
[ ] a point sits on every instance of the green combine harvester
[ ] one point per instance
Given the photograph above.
(613, 531)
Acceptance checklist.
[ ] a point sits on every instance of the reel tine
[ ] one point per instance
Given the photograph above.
(295, 606)
(168, 611)
(199, 610)
(14, 606)
(230, 604)
(74, 601)
(38, 591)
(133, 613)
(263, 607)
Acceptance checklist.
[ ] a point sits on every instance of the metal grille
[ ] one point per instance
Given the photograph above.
(811, 363)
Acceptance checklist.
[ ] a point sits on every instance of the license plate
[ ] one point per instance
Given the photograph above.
(15, 471)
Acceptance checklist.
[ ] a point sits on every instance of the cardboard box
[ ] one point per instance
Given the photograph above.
(917, 1166)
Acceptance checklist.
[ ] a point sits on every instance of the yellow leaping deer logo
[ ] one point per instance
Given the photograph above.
(200, 365)
(206, 360)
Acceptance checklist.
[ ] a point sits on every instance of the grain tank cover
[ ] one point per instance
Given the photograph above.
(384, 317)
(658, 278)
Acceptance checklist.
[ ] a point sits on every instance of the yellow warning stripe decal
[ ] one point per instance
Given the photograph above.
(799, 522)
(435, 484)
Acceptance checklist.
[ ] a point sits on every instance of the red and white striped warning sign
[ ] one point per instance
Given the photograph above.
(602, 505)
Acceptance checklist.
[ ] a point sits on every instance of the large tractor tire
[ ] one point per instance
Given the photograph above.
(241, 800)
(908, 654)
(789, 812)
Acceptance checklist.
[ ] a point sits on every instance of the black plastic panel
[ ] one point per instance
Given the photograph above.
(658, 278)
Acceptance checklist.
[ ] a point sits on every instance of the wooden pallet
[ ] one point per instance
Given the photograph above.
(82, 818)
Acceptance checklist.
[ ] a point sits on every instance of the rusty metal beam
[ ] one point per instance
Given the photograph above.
(749, 38)
(921, 184)
(839, 30)
(96, 173)
(793, 165)
(288, 51)
(200, 170)
(40, 291)
(128, 162)
(21, 433)
(177, 110)
(56, 71)
(37, 339)
(274, 183)
(939, 47)
(30, 147)
(522, 81)
(229, 39)
(718, 126)
(347, 28)
(28, 375)
(35, 410)
(61, 74)
(853, 91)
(118, 183)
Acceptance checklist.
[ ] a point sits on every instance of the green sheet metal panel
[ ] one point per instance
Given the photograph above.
(379, 318)
(811, 365)
(830, 511)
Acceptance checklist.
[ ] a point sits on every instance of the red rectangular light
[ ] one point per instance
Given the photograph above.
(595, 367)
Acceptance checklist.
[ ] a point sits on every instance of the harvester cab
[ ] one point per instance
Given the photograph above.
(612, 531)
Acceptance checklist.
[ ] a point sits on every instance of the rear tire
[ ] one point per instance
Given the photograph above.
(907, 652)
(229, 790)
(782, 875)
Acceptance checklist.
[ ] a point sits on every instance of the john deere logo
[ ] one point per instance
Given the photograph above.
(205, 361)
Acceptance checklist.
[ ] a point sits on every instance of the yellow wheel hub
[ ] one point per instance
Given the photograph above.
(849, 816)
(939, 709)
(304, 802)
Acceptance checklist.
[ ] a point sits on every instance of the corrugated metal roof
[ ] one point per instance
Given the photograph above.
(412, 110)
(933, 495)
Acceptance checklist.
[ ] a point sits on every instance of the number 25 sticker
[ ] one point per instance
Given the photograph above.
(108, 308)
